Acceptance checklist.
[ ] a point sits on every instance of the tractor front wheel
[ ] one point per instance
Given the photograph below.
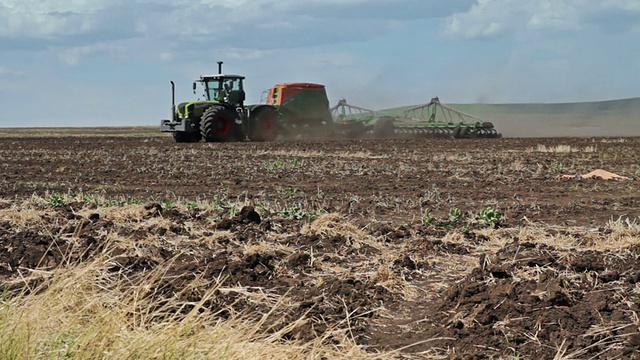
(186, 137)
(219, 125)
(263, 125)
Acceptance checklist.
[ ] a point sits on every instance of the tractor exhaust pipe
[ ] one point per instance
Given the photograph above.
(220, 67)
(173, 100)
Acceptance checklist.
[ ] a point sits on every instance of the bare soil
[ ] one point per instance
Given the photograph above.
(382, 180)
(405, 276)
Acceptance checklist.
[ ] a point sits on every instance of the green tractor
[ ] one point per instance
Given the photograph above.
(222, 116)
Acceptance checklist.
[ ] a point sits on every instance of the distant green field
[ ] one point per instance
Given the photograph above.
(616, 107)
(600, 118)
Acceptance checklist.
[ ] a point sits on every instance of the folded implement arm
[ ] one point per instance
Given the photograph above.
(356, 122)
(431, 120)
(344, 112)
(435, 119)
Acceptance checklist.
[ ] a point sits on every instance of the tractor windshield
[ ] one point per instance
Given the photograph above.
(218, 89)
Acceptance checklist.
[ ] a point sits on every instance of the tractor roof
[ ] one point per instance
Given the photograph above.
(221, 76)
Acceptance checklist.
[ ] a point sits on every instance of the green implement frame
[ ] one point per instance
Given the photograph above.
(433, 119)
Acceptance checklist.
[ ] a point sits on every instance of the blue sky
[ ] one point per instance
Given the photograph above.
(109, 62)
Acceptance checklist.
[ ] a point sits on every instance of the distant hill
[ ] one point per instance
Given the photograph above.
(597, 118)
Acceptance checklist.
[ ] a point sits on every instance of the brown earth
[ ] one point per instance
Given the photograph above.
(389, 259)
(385, 180)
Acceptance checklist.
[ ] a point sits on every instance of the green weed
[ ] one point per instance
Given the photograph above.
(56, 200)
(489, 216)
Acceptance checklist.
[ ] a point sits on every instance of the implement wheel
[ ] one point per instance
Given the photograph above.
(263, 125)
(384, 128)
(219, 125)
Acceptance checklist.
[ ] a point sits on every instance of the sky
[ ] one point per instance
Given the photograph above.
(109, 62)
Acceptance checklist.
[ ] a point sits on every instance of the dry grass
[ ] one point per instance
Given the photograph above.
(315, 153)
(562, 149)
(616, 235)
(613, 140)
(333, 225)
(85, 311)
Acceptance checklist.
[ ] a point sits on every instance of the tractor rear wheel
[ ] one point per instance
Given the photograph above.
(219, 125)
(384, 128)
(263, 125)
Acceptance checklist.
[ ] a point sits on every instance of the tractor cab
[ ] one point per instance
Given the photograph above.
(223, 88)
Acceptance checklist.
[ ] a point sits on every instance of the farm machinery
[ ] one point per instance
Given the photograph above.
(299, 109)
(222, 115)
(294, 108)
(430, 120)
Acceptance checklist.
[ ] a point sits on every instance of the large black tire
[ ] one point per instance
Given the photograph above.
(465, 132)
(263, 125)
(186, 137)
(383, 128)
(219, 124)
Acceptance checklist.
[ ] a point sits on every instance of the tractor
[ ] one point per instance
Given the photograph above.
(291, 109)
(222, 116)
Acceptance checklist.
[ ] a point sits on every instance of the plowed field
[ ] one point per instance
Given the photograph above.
(430, 248)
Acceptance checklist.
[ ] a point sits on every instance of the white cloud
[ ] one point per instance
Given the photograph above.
(166, 56)
(120, 50)
(47, 19)
(72, 56)
(11, 80)
(245, 54)
(72, 30)
(8, 73)
(516, 18)
(245, 23)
